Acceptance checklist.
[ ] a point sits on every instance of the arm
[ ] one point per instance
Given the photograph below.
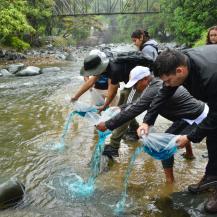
(112, 91)
(132, 110)
(86, 78)
(209, 124)
(163, 95)
(86, 86)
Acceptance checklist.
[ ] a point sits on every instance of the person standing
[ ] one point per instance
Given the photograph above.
(144, 43)
(149, 48)
(196, 69)
(211, 37)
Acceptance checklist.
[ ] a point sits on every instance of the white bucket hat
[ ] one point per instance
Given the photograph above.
(136, 74)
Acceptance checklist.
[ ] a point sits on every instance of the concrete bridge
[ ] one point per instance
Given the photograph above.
(105, 7)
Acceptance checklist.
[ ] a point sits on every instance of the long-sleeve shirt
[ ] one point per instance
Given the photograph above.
(201, 83)
(180, 105)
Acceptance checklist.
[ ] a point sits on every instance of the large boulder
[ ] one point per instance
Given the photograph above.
(29, 71)
(4, 73)
(70, 57)
(11, 193)
(14, 68)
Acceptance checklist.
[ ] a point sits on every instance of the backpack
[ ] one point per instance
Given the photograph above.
(133, 57)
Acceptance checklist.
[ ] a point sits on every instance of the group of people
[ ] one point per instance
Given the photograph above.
(178, 85)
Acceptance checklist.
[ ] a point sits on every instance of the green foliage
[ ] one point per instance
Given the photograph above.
(187, 19)
(13, 23)
(39, 14)
(19, 44)
(78, 28)
(59, 41)
(181, 20)
(202, 40)
(13, 20)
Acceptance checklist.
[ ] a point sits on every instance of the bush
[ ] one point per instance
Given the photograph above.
(18, 44)
(202, 40)
(59, 41)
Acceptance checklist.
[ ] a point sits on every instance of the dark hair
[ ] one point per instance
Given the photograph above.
(139, 32)
(208, 37)
(167, 62)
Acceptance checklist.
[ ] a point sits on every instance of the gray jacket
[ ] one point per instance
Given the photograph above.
(181, 105)
(149, 49)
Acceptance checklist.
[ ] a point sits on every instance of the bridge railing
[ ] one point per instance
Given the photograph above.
(105, 7)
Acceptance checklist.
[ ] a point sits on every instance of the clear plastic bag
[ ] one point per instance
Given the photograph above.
(160, 146)
(95, 118)
(97, 98)
(109, 113)
(90, 112)
(83, 107)
(92, 117)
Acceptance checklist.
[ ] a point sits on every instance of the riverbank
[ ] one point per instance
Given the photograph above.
(36, 61)
(38, 57)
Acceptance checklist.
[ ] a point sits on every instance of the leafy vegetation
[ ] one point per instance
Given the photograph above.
(187, 19)
(13, 22)
(24, 23)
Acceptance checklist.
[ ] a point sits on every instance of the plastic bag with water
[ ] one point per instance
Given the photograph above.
(160, 146)
(109, 113)
(97, 98)
(95, 118)
(82, 108)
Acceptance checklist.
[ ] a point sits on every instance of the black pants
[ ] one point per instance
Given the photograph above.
(211, 143)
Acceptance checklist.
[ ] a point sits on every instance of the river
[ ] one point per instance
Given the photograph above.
(33, 111)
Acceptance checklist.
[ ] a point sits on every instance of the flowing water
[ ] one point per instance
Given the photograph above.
(33, 113)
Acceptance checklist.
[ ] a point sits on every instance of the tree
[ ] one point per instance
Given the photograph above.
(40, 15)
(187, 19)
(13, 22)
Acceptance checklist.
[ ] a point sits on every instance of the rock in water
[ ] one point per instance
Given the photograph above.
(11, 192)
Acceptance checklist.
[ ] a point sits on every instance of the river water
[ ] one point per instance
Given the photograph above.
(33, 111)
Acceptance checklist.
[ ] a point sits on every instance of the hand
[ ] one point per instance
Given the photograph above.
(100, 109)
(182, 141)
(73, 99)
(101, 126)
(143, 129)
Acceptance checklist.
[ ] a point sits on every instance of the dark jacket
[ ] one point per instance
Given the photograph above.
(201, 83)
(181, 105)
